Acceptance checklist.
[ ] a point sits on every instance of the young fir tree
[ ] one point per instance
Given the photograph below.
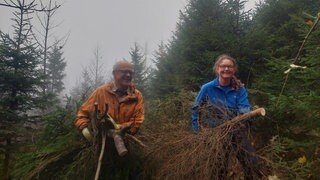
(82, 91)
(159, 82)
(55, 71)
(140, 68)
(20, 76)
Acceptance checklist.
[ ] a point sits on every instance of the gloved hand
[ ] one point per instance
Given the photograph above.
(86, 133)
(117, 126)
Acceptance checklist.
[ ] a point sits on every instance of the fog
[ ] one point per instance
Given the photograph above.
(112, 25)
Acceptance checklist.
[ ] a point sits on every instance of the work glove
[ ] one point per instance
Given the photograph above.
(86, 133)
(117, 126)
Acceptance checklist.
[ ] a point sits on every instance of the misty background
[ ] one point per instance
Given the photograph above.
(110, 26)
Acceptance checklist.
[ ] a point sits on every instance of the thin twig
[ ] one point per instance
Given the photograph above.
(29, 7)
(101, 154)
(136, 140)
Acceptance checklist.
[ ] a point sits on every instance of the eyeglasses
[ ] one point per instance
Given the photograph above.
(123, 71)
(226, 66)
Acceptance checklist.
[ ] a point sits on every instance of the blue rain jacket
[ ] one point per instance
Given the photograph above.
(220, 96)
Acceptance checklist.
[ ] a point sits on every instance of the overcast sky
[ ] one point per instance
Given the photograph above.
(113, 25)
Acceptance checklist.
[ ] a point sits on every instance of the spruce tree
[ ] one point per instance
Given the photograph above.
(20, 79)
(82, 91)
(140, 68)
(56, 70)
(20, 75)
(159, 82)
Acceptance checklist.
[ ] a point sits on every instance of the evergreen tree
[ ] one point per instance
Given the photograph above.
(20, 79)
(206, 29)
(140, 68)
(56, 68)
(290, 94)
(82, 91)
(159, 81)
(278, 40)
(20, 76)
(275, 34)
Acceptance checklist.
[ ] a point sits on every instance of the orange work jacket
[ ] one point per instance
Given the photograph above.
(123, 111)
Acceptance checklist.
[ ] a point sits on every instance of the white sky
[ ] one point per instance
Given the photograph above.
(113, 25)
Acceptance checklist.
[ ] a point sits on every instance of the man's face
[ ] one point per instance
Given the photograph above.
(123, 75)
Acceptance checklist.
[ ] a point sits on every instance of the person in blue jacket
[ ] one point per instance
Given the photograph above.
(226, 97)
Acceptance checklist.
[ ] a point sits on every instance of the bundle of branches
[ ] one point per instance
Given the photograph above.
(176, 153)
(52, 160)
(72, 157)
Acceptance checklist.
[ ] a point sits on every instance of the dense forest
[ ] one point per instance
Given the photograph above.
(276, 46)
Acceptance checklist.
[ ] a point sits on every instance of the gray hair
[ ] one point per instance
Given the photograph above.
(119, 63)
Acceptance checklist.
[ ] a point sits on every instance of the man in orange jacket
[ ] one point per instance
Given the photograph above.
(124, 101)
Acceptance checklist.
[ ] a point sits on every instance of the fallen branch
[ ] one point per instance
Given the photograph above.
(180, 154)
(129, 136)
(237, 119)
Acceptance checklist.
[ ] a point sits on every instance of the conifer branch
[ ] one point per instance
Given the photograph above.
(316, 22)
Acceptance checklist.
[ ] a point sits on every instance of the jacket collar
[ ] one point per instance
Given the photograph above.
(114, 88)
(215, 84)
(110, 87)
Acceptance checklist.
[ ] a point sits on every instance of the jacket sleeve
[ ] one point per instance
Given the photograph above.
(82, 118)
(243, 101)
(201, 97)
(138, 115)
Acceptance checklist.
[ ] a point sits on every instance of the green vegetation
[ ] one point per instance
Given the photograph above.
(265, 41)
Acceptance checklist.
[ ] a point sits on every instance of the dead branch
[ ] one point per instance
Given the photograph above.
(251, 114)
(103, 142)
(129, 136)
(180, 154)
(29, 7)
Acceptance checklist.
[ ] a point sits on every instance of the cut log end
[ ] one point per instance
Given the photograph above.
(262, 111)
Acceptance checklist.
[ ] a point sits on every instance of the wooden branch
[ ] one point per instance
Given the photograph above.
(306, 38)
(251, 114)
(136, 140)
(104, 134)
(29, 7)
(297, 56)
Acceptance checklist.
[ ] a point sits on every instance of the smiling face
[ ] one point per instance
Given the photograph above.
(225, 68)
(122, 74)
